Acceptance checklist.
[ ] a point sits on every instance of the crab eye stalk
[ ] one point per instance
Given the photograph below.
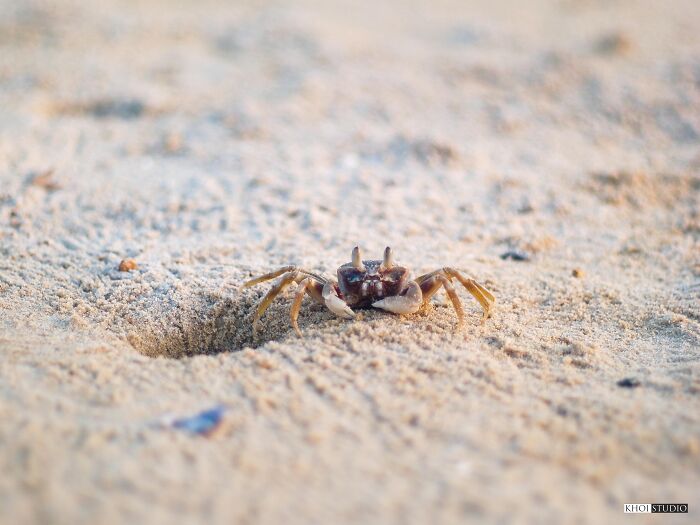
(388, 262)
(357, 259)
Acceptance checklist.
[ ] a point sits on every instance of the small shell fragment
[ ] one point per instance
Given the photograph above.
(126, 265)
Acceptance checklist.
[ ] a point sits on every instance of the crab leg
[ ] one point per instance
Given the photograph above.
(429, 285)
(310, 283)
(407, 303)
(452, 294)
(285, 281)
(277, 273)
(481, 294)
(439, 280)
(425, 277)
(267, 276)
(296, 305)
(309, 286)
(315, 290)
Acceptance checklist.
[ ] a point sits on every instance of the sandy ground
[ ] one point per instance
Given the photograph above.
(212, 142)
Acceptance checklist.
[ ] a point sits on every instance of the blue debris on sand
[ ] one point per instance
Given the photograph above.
(515, 256)
(204, 423)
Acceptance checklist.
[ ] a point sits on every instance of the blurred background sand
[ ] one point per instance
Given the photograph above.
(211, 141)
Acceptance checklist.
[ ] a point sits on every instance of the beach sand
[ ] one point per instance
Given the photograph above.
(212, 142)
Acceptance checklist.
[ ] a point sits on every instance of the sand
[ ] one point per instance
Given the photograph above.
(210, 142)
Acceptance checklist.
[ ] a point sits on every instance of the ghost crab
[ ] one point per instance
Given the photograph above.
(369, 284)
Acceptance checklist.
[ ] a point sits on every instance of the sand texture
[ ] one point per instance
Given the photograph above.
(212, 141)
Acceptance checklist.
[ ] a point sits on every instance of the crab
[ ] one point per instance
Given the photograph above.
(369, 284)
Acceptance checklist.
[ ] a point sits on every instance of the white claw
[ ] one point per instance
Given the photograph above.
(403, 304)
(335, 304)
(398, 305)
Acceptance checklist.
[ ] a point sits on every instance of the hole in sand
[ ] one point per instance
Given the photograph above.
(206, 324)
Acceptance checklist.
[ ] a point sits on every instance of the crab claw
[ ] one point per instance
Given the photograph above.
(408, 303)
(335, 304)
